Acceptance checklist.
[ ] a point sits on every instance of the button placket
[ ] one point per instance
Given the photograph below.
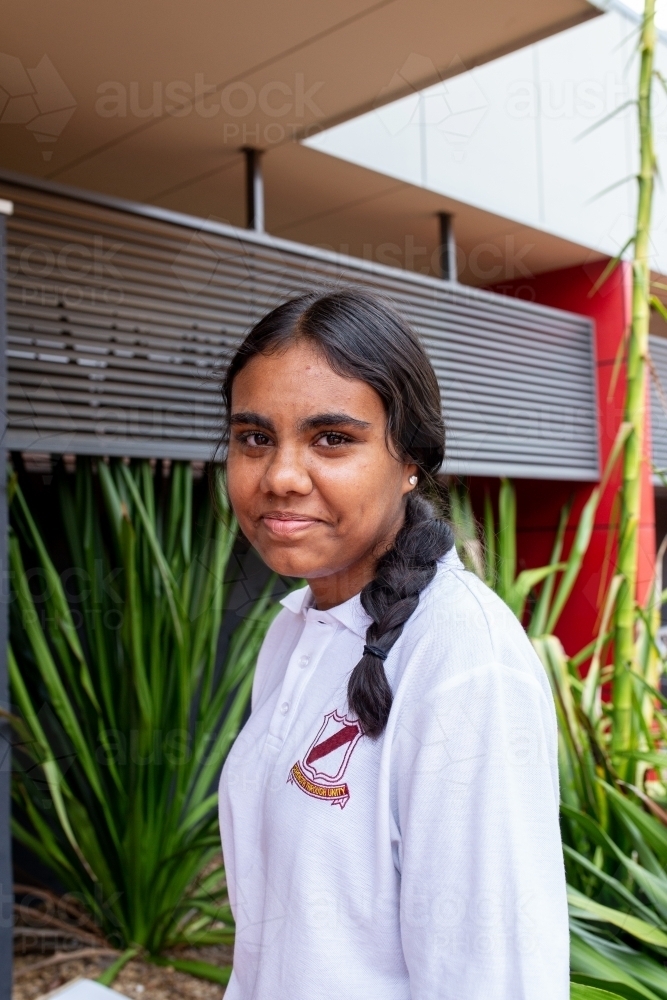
(313, 642)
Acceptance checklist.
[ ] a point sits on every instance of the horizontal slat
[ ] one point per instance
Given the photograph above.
(658, 351)
(106, 444)
(118, 323)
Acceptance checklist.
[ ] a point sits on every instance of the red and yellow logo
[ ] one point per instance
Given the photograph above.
(320, 772)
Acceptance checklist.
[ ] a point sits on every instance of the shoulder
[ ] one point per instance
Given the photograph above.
(468, 683)
(462, 629)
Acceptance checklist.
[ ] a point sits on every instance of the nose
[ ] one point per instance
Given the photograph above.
(286, 472)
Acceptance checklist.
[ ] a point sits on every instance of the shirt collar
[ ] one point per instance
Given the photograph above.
(352, 616)
(298, 601)
(350, 613)
(451, 559)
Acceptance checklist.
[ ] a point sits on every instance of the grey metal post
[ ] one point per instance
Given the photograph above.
(254, 189)
(6, 879)
(447, 247)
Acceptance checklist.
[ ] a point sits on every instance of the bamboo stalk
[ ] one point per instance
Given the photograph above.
(635, 405)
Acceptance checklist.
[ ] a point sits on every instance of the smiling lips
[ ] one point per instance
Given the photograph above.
(287, 523)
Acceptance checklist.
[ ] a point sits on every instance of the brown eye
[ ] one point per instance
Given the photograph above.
(331, 439)
(255, 439)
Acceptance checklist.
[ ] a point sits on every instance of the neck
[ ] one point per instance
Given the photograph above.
(336, 588)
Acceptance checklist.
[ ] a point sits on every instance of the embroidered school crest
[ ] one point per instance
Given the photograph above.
(321, 770)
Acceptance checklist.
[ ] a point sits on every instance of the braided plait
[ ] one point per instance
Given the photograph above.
(390, 598)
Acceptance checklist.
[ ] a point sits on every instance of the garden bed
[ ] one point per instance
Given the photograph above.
(139, 980)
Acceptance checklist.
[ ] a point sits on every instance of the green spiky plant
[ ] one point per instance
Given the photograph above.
(614, 831)
(124, 712)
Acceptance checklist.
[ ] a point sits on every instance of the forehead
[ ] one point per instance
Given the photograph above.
(299, 381)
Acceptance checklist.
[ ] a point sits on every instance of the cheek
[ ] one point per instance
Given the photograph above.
(363, 493)
(241, 485)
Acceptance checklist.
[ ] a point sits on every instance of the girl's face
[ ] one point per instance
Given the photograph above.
(313, 484)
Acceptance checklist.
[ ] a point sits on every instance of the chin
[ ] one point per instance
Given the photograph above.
(294, 563)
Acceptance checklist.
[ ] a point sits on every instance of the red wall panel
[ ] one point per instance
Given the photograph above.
(539, 503)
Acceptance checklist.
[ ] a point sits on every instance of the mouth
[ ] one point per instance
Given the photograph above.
(283, 524)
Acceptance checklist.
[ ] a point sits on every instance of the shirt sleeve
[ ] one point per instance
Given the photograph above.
(483, 907)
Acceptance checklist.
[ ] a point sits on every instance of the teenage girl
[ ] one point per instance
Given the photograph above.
(389, 812)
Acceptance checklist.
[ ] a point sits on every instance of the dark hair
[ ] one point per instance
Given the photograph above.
(362, 337)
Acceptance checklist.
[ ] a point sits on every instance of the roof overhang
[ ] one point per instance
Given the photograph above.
(152, 101)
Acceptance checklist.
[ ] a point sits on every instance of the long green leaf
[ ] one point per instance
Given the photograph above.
(598, 988)
(48, 669)
(579, 992)
(593, 961)
(58, 598)
(525, 582)
(160, 560)
(634, 926)
(538, 619)
(575, 558)
(506, 538)
(204, 970)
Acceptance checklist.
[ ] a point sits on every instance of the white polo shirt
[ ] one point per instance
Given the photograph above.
(422, 865)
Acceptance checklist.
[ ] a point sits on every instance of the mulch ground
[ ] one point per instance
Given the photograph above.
(139, 980)
(49, 925)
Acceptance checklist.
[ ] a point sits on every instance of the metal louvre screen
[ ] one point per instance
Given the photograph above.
(658, 351)
(118, 317)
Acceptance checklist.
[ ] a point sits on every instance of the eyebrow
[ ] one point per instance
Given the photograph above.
(331, 420)
(308, 424)
(248, 417)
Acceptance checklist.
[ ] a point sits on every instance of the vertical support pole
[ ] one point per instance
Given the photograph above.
(6, 878)
(254, 189)
(447, 247)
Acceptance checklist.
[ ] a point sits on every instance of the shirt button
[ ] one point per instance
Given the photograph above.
(284, 708)
(304, 661)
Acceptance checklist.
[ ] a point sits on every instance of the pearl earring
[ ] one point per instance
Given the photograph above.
(413, 480)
